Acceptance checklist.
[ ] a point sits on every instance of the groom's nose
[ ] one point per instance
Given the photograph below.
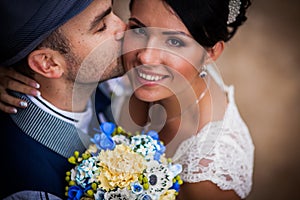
(120, 28)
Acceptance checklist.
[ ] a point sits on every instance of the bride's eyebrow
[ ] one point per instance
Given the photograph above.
(137, 21)
(175, 33)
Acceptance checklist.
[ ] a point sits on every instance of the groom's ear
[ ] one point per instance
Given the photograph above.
(47, 62)
(215, 52)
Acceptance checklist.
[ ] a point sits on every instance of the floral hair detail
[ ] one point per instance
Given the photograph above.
(118, 165)
(234, 10)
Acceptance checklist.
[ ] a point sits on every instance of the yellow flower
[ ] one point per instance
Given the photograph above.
(119, 167)
(168, 195)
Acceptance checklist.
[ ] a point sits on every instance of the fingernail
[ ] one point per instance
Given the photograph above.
(36, 93)
(14, 110)
(23, 104)
(36, 85)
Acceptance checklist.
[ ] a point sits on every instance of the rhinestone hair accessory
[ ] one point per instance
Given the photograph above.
(234, 10)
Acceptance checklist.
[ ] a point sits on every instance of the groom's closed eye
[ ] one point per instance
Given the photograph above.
(100, 20)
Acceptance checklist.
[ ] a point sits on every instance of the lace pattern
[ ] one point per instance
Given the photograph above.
(222, 152)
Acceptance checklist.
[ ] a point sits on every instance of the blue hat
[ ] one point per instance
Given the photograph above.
(24, 24)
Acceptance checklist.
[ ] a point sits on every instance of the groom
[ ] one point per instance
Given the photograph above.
(54, 42)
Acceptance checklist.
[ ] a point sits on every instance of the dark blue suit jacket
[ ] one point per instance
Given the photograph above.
(27, 164)
(35, 147)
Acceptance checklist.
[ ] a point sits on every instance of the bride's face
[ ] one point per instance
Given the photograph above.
(159, 52)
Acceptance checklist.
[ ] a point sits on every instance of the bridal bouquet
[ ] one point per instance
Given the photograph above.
(118, 165)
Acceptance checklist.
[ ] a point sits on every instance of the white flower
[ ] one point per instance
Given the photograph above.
(121, 139)
(145, 145)
(160, 178)
(73, 174)
(87, 170)
(120, 194)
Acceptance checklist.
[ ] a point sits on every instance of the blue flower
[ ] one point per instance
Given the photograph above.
(99, 195)
(136, 188)
(108, 128)
(106, 142)
(144, 197)
(157, 156)
(160, 151)
(175, 186)
(153, 134)
(162, 148)
(75, 192)
(103, 140)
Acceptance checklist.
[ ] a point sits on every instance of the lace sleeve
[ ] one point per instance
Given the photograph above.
(223, 153)
(228, 164)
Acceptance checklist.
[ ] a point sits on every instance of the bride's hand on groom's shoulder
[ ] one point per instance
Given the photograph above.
(15, 81)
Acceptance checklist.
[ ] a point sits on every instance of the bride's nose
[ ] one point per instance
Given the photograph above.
(150, 56)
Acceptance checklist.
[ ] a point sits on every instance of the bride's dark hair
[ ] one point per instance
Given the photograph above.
(207, 19)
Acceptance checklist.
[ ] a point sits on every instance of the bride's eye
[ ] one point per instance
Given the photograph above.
(138, 30)
(174, 42)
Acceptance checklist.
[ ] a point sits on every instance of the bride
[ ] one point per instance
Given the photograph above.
(169, 57)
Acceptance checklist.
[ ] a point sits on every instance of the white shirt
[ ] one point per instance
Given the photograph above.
(82, 120)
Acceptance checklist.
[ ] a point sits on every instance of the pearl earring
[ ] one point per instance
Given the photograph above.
(203, 73)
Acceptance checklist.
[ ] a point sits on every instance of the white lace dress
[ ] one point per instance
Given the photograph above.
(222, 152)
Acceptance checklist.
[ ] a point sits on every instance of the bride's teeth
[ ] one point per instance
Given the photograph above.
(156, 78)
(150, 77)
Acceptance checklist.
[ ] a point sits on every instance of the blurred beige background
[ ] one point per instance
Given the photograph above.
(262, 61)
